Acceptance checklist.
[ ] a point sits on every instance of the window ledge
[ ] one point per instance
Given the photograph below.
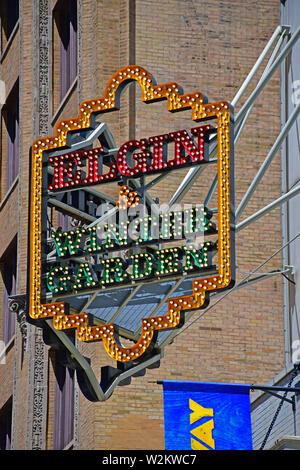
(5, 350)
(69, 446)
(9, 192)
(9, 41)
(63, 102)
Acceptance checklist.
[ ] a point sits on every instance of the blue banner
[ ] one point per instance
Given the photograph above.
(207, 416)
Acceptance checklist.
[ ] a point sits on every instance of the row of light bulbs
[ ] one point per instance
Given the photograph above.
(168, 226)
(165, 262)
(68, 175)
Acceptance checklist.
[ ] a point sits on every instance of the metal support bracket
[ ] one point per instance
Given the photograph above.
(289, 270)
(272, 390)
(91, 387)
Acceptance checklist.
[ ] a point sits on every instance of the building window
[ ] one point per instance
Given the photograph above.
(65, 16)
(9, 11)
(11, 123)
(9, 277)
(64, 222)
(5, 426)
(63, 405)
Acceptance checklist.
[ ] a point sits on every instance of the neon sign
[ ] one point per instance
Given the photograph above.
(67, 173)
(73, 272)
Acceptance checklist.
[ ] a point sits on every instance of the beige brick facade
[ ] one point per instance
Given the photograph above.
(203, 46)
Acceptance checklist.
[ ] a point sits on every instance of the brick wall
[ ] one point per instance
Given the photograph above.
(206, 47)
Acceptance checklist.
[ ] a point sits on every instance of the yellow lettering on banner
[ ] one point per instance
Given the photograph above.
(199, 411)
(204, 431)
(196, 445)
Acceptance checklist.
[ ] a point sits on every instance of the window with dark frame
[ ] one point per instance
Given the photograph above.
(9, 13)
(64, 222)
(65, 15)
(5, 426)
(9, 277)
(63, 404)
(11, 121)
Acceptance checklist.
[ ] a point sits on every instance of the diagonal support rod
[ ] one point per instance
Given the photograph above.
(284, 198)
(268, 160)
(283, 54)
(283, 30)
(123, 304)
(278, 31)
(193, 174)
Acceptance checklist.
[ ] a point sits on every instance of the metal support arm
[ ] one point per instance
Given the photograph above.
(284, 198)
(272, 390)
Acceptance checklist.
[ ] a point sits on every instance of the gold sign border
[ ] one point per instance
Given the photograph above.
(201, 287)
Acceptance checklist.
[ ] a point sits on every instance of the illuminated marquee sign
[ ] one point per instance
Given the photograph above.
(100, 257)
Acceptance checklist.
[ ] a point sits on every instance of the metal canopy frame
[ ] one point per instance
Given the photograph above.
(279, 46)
